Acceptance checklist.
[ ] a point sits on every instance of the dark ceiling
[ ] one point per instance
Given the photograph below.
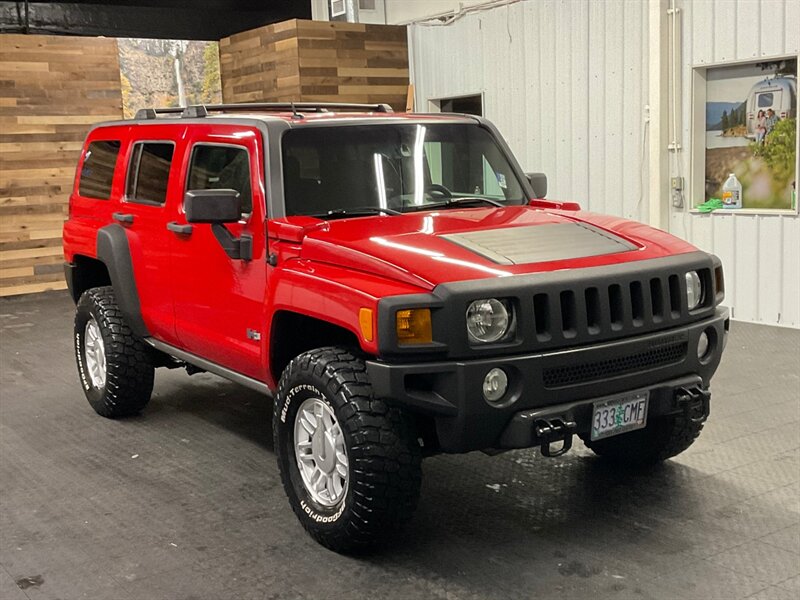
(166, 19)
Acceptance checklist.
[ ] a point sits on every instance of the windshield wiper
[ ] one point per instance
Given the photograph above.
(458, 202)
(356, 210)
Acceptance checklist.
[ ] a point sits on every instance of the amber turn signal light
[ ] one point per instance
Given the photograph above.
(365, 321)
(414, 326)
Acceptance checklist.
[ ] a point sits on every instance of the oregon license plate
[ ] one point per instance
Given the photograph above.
(619, 415)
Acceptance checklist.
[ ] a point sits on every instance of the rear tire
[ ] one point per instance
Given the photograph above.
(115, 367)
(377, 474)
(662, 439)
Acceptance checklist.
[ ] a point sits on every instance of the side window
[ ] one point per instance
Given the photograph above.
(221, 167)
(148, 173)
(97, 171)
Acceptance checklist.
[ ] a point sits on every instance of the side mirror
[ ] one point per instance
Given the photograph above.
(538, 183)
(212, 206)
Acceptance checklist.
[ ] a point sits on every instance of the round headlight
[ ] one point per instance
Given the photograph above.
(694, 290)
(487, 320)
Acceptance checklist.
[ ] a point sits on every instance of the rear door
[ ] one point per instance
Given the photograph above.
(151, 192)
(219, 300)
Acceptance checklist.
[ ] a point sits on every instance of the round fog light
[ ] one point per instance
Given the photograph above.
(495, 385)
(703, 345)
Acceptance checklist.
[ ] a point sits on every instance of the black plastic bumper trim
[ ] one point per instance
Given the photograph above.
(665, 398)
(451, 391)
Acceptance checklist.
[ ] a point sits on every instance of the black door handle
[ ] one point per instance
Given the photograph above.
(122, 217)
(178, 228)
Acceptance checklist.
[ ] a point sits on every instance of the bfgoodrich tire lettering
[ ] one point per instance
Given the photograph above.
(382, 451)
(129, 369)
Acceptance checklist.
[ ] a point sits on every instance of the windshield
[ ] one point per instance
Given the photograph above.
(395, 167)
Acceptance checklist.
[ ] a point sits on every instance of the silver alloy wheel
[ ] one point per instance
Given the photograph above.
(94, 351)
(320, 452)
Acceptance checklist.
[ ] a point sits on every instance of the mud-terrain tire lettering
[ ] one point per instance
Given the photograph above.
(382, 448)
(129, 366)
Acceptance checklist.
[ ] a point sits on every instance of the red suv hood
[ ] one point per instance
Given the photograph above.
(428, 248)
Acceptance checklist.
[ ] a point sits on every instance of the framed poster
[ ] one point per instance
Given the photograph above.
(749, 130)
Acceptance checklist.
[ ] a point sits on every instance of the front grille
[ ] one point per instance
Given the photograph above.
(604, 310)
(556, 377)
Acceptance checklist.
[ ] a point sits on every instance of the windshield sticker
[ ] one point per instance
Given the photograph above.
(501, 180)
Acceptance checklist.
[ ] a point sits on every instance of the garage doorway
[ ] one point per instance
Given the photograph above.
(470, 105)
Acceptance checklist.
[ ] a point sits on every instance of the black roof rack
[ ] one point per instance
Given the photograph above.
(202, 110)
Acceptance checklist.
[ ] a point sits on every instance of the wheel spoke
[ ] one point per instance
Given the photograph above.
(94, 353)
(309, 423)
(320, 452)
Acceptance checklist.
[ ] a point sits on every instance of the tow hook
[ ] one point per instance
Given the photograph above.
(694, 402)
(548, 432)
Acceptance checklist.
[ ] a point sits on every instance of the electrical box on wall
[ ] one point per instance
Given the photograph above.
(676, 191)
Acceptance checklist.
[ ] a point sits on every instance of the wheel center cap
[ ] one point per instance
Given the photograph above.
(324, 452)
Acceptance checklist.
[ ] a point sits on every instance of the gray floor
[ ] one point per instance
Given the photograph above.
(185, 501)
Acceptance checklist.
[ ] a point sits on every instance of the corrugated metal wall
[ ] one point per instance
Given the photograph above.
(566, 82)
(761, 253)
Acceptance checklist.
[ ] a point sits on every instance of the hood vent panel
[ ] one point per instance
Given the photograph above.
(540, 243)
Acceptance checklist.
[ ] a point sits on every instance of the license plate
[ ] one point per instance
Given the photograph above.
(619, 415)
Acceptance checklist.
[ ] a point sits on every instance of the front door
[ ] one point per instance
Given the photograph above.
(219, 300)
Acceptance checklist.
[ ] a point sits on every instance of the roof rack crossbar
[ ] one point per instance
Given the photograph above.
(152, 113)
(202, 110)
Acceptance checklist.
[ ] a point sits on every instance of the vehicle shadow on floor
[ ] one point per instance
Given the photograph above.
(490, 526)
(237, 409)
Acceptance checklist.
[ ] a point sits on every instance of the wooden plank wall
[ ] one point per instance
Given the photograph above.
(52, 88)
(316, 61)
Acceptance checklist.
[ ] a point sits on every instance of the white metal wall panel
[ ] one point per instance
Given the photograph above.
(761, 253)
(565, 81)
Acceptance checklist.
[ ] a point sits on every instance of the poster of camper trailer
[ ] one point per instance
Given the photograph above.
(751, 131)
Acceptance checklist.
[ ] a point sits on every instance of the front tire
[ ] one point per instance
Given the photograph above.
(350, 464)
(662, 439)
(115, 367)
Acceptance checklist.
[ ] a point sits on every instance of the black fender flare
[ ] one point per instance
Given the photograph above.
(115, 253)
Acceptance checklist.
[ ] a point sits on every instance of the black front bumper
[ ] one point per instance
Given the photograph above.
(561, 384)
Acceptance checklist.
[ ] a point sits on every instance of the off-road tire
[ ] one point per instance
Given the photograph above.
(663, 438)
(129, 366)
(382, 449)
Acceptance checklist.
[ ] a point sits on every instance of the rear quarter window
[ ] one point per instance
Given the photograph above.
(97, 170)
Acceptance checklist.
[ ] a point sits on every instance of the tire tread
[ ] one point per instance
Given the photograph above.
(129, 367)
(385, 457)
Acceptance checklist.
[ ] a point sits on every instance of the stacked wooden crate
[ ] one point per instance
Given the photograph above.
(52, 88)
(316, 61)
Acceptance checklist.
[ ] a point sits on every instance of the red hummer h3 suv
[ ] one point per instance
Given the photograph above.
(395, 282)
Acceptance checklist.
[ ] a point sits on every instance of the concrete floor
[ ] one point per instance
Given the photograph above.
(185, 500)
